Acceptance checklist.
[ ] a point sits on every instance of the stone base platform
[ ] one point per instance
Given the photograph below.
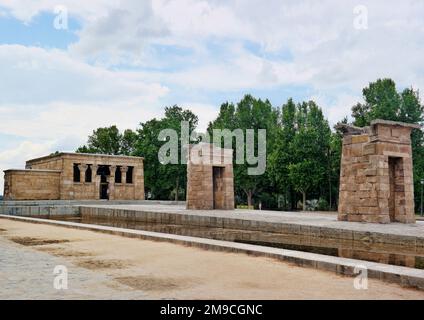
(65, 207)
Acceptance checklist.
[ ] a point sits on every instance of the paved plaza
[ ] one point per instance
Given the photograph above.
(26, 273)
(103, 266)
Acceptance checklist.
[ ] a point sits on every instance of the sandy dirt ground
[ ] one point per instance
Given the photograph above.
(139, 269)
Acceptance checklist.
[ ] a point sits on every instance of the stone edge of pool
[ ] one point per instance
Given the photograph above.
(406, 277)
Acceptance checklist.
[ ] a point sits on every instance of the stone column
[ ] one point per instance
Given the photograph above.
(111, 181)
(96, 180)
(82, 168)
(94, 168)
(124, 170)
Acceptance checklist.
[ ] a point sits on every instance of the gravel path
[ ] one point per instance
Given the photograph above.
(26, 273)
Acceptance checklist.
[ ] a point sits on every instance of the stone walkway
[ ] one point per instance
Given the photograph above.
(316, 219)
(28, 274)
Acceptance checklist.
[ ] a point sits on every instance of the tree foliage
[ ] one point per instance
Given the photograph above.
(110, 141)
(163, 181)
(301, 160)
(250, 113)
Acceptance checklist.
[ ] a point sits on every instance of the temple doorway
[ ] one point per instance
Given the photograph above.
(104, 187)
(396, 185)
(104, 172)
(218, 188)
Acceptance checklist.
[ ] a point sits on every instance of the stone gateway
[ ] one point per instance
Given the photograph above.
(210, 181)
(376, 176)
(77, 176)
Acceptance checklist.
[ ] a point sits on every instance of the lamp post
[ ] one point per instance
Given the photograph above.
(422, 192)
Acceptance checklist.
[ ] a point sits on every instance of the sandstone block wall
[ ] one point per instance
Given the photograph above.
(124, 191)
(50, 163)
(210, 178)
(32, 185)
(376, 178)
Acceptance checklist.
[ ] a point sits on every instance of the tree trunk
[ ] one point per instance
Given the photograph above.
(177, 190)
(249, 198)
(304, 200)
(293, 200)
(331, 196)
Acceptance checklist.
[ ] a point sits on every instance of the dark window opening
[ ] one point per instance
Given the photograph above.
(130, 175)
(88, 174)
(118, 175)
(76, 173)
(103, 172)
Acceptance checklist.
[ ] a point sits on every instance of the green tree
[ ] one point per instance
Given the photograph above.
(334, 159)
(128, 142)
(226, 118)
(109, 141)
(303, 177)
(310, 146)
(281, 156)
(250, 113)
(163, 181)
(301, 159)
(382, 101)
(148, 146)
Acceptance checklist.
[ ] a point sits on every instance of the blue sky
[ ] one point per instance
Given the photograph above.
(38, 32)
(121, 61)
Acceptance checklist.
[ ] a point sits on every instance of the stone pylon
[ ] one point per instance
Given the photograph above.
(210, 182)
(376, 176)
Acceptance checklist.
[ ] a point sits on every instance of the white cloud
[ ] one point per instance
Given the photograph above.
(327, 51)
(337, 109)
(63, 120)
(46, 93)
(200, 19)
(26, 10)
(33, 75)
(241, 72)
(15, 157)
(123, 33)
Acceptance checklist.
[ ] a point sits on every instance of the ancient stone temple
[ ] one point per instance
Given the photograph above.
(210, 182)
(77, 176)
(376, 178)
